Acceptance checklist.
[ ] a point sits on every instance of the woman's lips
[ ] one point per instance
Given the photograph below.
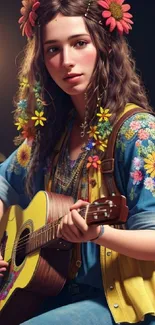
(73, 78)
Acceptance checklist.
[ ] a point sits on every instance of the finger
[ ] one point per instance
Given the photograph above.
(78, 204)
(67, 230)
(70, 237)
(79, 222)
(61, 227)
(70, 231)
(3, 269)
(3, 263)
(63, 223)
(73, 228)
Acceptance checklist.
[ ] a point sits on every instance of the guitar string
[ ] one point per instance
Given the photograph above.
(21, 243)
(51, 226)
(26, 238)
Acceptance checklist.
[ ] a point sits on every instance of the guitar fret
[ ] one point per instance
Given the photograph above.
(36, 238)
(48, 235)
(52, 232)
(41, 237)
(33, 242)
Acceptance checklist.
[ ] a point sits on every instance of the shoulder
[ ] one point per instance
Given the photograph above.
(12, 176)
(18, 161)
(135, 153)
(140, 126)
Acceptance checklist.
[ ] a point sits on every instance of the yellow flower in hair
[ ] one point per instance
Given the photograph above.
(93, 132)
(21, 122)
(104, 114)
(150, 164)
(24, 83)
(23, 155)
(39, 118)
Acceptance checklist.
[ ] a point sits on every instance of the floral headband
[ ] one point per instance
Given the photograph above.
(117, 15)
(28, 19)
(114, 12)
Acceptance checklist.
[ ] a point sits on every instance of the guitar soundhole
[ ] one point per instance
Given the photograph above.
(21, 247)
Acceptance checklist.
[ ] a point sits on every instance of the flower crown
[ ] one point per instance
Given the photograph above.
(115, 14)
(28, 19)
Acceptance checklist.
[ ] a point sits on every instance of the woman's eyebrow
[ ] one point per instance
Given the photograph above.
(69, 38)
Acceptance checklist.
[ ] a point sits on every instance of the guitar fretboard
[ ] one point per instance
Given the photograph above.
(41, 237)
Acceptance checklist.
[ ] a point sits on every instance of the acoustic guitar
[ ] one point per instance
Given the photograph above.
(38, 261)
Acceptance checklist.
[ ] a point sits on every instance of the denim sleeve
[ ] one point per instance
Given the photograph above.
(12, 177)
(135, 169)
(7, 193)
(143, 220)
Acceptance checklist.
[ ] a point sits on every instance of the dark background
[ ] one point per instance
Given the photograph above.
(141, 40)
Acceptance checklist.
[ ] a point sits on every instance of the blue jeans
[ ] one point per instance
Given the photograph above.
(78, 305)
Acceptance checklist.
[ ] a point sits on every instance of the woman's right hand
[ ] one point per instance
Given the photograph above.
(3, 266)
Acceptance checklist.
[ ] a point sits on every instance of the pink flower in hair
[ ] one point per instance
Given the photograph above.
(117, 15)
(29, 16)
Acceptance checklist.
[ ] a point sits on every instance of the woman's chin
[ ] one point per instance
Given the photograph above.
(75, 91)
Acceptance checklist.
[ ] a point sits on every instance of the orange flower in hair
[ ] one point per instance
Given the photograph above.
(29, 16)
(117, 15)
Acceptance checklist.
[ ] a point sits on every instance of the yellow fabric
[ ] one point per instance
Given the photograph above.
(129, 284)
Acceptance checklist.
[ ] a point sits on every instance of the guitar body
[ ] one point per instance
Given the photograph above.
(38, 261)
(41, 272)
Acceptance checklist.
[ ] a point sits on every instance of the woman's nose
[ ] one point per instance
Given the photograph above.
(67, 58)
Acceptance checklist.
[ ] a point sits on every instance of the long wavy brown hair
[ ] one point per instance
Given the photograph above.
(114, 77)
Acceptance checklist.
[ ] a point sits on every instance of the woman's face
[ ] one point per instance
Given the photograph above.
(69, 53)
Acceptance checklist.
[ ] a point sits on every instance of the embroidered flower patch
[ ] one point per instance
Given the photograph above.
(140, 127)
(21, 159)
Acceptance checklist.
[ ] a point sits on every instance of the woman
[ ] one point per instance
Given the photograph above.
(76, 79)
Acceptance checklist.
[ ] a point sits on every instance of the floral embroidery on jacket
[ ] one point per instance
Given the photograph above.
(139, 132)
(21, 158)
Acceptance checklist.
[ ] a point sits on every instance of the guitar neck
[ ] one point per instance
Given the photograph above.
(42, 237)
(47, 234)
(111, 211)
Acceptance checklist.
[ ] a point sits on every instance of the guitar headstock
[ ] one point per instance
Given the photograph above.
(111, 210)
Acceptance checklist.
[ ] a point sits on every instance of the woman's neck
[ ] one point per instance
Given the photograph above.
(79, 104)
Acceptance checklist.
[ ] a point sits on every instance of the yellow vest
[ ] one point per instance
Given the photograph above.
(129, 284)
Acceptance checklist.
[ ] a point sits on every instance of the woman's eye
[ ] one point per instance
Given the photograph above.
(52, 50)
(81, 44)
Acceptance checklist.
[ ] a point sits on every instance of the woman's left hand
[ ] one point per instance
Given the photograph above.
(74, 228)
